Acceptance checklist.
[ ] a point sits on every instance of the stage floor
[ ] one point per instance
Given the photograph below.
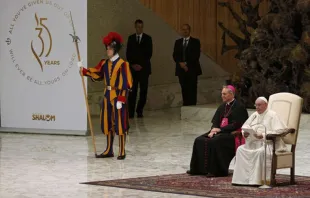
(48, 166)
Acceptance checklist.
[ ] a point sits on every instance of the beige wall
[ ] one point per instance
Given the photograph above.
(119, 15)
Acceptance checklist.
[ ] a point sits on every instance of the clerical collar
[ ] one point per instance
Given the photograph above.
(229, 103)
(116, 56)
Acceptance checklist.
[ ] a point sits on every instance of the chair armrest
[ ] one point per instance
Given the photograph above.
(285, 132)
(273, 137)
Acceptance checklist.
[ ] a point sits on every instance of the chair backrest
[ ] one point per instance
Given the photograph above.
(289, 108)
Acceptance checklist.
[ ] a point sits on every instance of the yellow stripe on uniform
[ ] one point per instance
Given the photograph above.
(123, 145)
(119, 145)
(109, 143)
(129, 76)
(120, 84)
(94, 69)
(115, 70)
(105, 120)
(120, 128)
(93, 75)
(121, 151)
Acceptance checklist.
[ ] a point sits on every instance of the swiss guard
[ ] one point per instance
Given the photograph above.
(115, 72)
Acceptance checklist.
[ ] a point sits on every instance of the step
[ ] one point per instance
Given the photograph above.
(205, 113)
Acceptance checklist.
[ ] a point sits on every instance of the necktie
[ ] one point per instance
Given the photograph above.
(138, 39)
(184, 49)
(185, 43)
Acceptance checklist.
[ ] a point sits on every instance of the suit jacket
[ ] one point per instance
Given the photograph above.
(140, 54)
(192, 54)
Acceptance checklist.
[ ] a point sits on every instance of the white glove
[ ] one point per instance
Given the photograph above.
(80, 64)
(119, 104)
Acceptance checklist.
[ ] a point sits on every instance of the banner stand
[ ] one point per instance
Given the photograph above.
(40, 85)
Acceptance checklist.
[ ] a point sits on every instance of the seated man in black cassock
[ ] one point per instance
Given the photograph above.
(213, 151)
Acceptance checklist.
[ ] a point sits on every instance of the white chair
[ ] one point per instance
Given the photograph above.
(289, 108)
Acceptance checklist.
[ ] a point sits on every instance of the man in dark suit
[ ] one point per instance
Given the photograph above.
(186, 55)
(139, 52)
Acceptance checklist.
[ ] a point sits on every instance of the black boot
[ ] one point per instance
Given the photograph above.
(102, 155)
(109, 150)
(122, 153)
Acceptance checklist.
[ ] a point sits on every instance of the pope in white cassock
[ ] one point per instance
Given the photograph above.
(249, 166)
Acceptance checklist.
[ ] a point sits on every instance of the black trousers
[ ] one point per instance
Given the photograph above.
(139, 80)
(188, 82)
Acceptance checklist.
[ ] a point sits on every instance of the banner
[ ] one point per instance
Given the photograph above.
(40, 86)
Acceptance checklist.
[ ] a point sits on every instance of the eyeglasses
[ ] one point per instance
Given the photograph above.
(258, 105)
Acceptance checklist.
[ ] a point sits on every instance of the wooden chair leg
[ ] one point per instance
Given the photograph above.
(273, 179)
(292, 182)
(273, 171)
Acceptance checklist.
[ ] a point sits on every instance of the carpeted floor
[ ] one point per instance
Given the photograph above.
(211, 187)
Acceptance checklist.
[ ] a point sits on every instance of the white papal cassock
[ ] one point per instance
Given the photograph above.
(249, 166)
